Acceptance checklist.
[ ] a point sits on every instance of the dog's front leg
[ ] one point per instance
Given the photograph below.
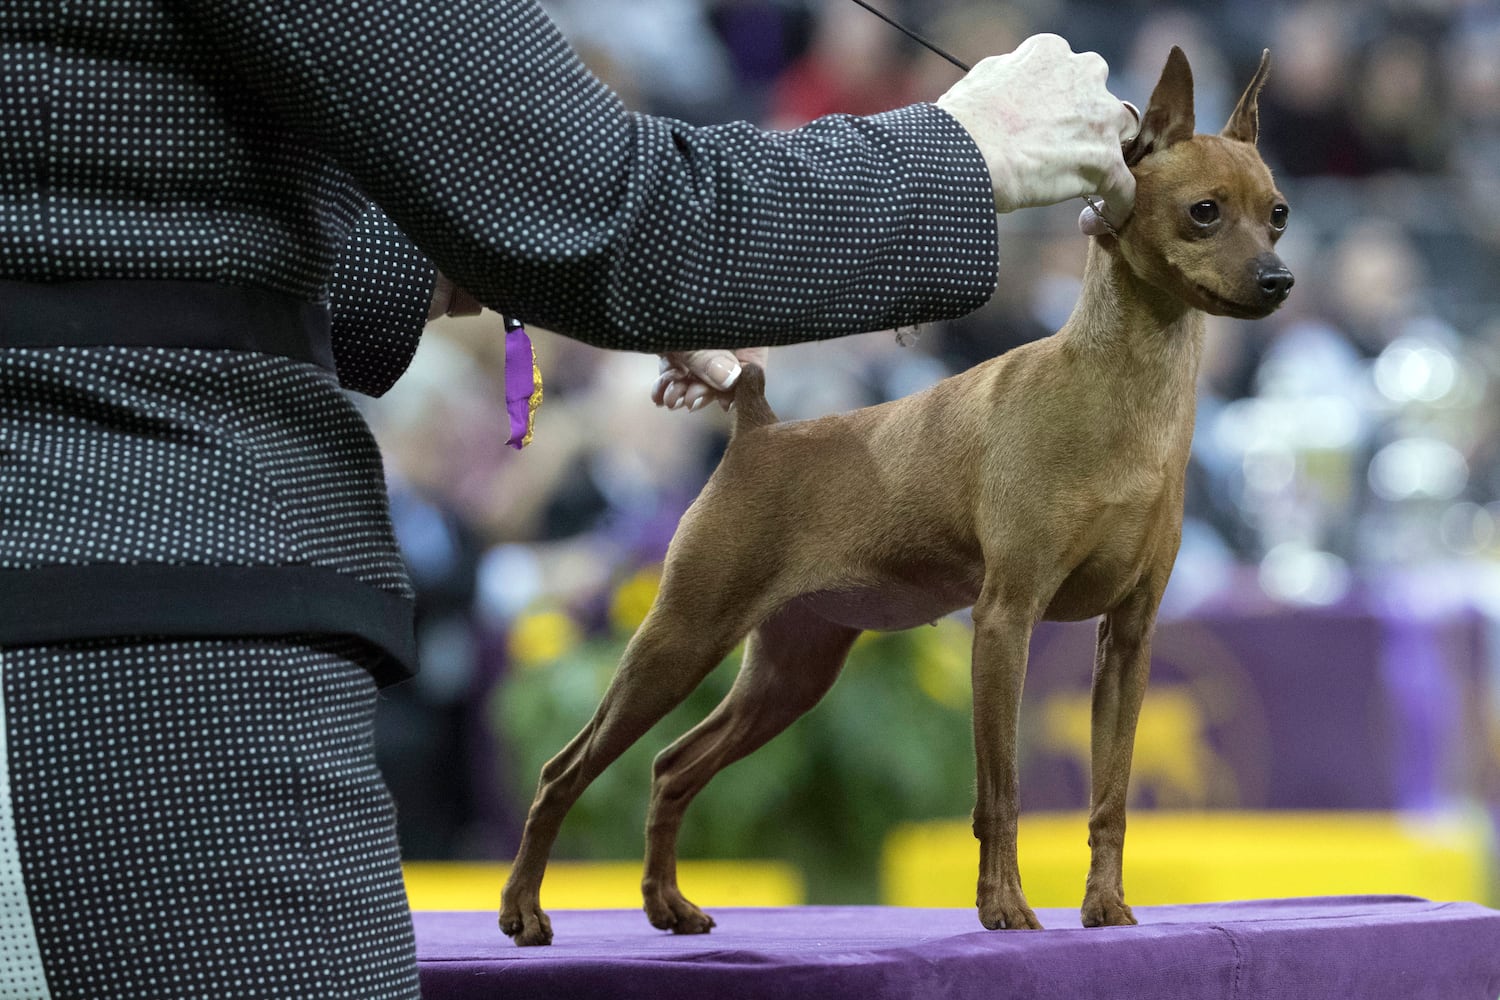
(1002, 633)
(1121, 667)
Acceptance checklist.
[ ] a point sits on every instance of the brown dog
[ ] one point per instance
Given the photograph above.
(1046, 483)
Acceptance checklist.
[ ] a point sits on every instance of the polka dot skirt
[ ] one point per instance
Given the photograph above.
(196, 819)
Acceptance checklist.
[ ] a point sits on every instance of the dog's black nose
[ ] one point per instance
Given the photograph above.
(1275, 283)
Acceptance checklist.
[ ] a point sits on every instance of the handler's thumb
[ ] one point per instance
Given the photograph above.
(718, 368)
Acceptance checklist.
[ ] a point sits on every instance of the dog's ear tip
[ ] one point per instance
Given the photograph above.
(1176, 77)
(1244, 123)
(1177, 57)
(1168, 118)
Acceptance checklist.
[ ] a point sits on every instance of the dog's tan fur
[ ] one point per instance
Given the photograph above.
(1046, 483)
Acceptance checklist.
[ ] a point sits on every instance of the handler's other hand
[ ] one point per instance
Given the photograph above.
(450, 300)
(1047, 126)
(690, 379)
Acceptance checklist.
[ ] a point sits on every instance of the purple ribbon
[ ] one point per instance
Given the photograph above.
(522, 391)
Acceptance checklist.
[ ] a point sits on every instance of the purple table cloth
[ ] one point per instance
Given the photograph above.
(1359, 948)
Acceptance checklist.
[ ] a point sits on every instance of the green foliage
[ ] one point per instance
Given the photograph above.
(892, 742)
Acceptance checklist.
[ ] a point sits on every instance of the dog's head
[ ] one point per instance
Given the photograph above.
(1207, 212)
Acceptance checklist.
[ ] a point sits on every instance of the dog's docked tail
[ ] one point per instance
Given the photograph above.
(750, 406)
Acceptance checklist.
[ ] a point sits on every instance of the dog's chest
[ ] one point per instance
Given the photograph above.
(1113, 549)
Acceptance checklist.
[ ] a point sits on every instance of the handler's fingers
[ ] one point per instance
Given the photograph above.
(690, 379)
(676, 388)
(1117, 188)
(677, 391)
(670, 374)
(719, 369)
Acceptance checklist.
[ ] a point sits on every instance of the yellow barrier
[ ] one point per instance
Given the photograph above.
(609, 885)
(1177, 857)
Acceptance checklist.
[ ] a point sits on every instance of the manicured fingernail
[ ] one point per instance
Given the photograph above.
(698, 404)
(723, 372)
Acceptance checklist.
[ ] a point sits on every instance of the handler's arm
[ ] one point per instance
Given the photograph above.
(477, 130)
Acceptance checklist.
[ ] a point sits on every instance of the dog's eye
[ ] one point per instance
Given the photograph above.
(1205, 213)
(1278, 217)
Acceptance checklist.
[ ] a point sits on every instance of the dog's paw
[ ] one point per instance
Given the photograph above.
(669, 910)
(526, 925)
(1107, 911)
(1008, 915)
(693, 921)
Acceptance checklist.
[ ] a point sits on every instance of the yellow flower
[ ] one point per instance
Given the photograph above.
(540, 638)
(633, 598)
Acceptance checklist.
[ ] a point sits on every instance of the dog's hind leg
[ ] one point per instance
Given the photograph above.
(1122, 664)
(661, 666)
(791, 660)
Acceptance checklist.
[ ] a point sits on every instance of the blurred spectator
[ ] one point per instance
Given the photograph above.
(857, 64)
(1399, 111)
(1376, 282)
(1309, 128)
(1472, 54)
(969, 30)
(762, 38)
(427, 723)
(1214, 93)
(666, 48)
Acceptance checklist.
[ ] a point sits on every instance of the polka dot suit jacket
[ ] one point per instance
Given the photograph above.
(243, 143)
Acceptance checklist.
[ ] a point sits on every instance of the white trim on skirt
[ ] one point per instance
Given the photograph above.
(20, 955)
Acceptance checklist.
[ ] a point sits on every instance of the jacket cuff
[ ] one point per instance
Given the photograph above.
(954, 185)
(379, 295)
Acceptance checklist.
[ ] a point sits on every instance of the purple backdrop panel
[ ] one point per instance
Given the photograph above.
(1291, 709)
(1359, 948)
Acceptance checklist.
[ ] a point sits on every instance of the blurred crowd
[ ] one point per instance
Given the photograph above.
(1355, 431)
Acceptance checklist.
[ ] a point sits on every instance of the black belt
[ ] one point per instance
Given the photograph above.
(195, 314)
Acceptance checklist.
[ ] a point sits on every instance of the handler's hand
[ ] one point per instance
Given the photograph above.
(691, 378)
(1048, 128)
(450, 300)
(442, 297)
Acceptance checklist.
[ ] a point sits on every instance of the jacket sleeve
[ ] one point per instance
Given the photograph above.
(478, 131)
(379, 293)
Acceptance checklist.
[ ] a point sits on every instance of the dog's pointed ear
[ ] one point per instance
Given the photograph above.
(1244, 124)
(1168, 119)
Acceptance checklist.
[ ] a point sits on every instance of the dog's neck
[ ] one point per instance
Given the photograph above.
(1139, 348)
(1138, 329)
